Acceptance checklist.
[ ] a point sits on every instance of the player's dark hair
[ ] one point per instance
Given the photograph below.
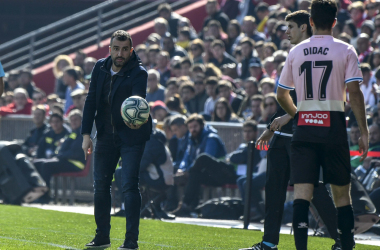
(56, 115)
(250, 123)
(323, 13)
(121, 35)
(300, 17)
(196, 117)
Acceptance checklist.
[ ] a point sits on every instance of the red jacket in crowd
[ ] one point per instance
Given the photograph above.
(10, 109)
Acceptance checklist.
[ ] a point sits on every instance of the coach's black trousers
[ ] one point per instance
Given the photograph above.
(277, 179)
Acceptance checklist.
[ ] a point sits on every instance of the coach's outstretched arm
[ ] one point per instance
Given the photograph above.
(358, 107)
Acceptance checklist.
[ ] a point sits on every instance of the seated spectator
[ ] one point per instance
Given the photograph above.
(251, 88)
(269, 65)
(155, 90)
(57, 109)
(364, 48)
(152, 52)
(71, 79)
(79, 97)
(197, 48)
(197, 103)
(26, 81)
(374, 137)
(345, 37)
(368, 27)
(249, 28)
(89, 64)
(21, 104)
(247, 53)
(29, 146)
(223, 112)
(80, 56)
(204, 143)
(51, 100)
(179, 129)
(256, 69)
(186, 65)
(207, 55)
(161, 26)
(175, 104)
(267, 85)
(350, 28)
(59, 64)
(184, 37)
(230, 8)
(141, 51)
(184, 22)
(374, 61)
(269, 49)
(176, 69)
(9, 97)
(12, 82)
(211, 85)
(368, 88)
(280, 34)
(269, 108)
(221, 57)
(153, 39)
(39, 97)
(169, 46)
(162, 63)
(224, 89)
(215, 29)
(214, 13)
(197, 68)
(159, 111)
(171, 88)
(187, 93)
(356, 10)
(212, 70)
(68, 157)
(285, 45)
(234, 36)
(262, 14)
(165, 11)
(256, 107)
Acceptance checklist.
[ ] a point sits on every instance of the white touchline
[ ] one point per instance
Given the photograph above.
(38, 242)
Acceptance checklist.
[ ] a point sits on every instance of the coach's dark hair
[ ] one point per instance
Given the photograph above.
(323, 13)
(56, 115)
(196, 117)
(300, 17)
(250, 123)
(121, 35)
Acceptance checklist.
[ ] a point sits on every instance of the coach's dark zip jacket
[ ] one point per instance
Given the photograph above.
(106, 94)
(288, 128)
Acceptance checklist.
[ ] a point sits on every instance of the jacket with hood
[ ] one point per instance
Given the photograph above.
(131, 80)
(208, 142)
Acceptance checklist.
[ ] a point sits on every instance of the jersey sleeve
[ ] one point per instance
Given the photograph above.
(286, 78)
(353, 72)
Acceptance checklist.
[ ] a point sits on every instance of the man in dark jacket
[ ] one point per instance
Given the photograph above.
(113, 80)
(165, 10)
(215, 14)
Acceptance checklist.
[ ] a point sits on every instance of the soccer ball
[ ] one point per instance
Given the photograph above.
(135, 110)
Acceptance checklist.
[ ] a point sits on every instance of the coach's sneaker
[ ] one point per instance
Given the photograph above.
(129, 244)
(260, 246)
(99, 242)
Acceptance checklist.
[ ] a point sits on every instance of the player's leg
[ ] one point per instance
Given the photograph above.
(305, 174)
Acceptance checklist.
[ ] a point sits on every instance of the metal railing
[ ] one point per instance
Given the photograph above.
(82, 29)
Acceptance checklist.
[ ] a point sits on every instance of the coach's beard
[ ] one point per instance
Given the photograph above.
(119, 63)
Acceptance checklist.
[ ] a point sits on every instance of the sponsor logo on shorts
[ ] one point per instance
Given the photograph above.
(314, 118)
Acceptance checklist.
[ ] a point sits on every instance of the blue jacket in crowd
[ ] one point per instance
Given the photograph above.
(209, 142)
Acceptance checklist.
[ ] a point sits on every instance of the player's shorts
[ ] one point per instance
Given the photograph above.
(307, 158)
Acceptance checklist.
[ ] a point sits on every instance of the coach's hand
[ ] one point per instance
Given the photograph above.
(264, 139)
(363, 146)
(279, 122)
(133, 126)
(87, 145)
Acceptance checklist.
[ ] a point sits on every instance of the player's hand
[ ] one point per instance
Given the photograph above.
(264, 139)
(279, 122)
(87, 146)
(363, 146)
(133, 126)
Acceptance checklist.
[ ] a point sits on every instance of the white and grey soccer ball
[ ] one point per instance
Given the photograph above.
(135, 110)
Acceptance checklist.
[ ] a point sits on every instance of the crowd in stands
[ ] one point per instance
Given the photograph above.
(227, 72)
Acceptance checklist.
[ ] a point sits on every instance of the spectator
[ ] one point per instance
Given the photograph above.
(153, 51)
(186, 65)
(197, 48)
(169, 46)
(204, 142)
(79, 97)
(21, 104)
(356, 10)
(80, 56)
(155, 90)
(212, 70)
(26, 81)
(165, 11)
(256, 107)
(196, 69)
(179, 129)
(223, 112)
(376, 32)
(59, 64)
(153, 39)
(175, 105)
(162, 62)
(251, 88)
(267, 86)
(71, 79)
(141, 51)
(69, 156)
(374, 138)
(224, 89)
(256, 69)
(198, 102)
(184, 37)
(368, 27)
(221, 57)
(364, 48)
(12, 82)
(247, 52)
(374, 60)
(51, 139)
(187, 93)
(354, 144)
(230, 8)
(9, 97)
(51, 100)
(213, 13)
(350, 28)
(39, 97)
(159, 111)
(285, 45)
(89, 64)
(234, 36)
(269, 65)
(345, 37)
(269, 108)
(185, 22)
(259, 47)
(368, 88)
(29, 146)
(211, 85)
(58, 109)
(207, 56)
(262, 12)
(214, 29)
(161, 26)
(279, 35)
(269, 49)
(249, 28)
(171, 88)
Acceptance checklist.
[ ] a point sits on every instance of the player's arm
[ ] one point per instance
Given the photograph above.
(358, 107)
(286, 101)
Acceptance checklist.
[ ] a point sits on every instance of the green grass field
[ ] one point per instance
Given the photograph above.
(32, 228)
